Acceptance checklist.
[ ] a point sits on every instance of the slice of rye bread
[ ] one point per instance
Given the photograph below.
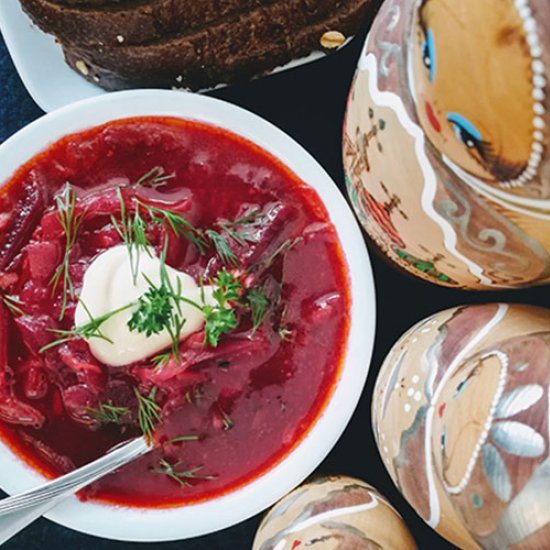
(132, 21)
(234, 50)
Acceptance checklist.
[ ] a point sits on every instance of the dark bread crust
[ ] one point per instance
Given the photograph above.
(86, 3)
(130, 22)
(239, 48)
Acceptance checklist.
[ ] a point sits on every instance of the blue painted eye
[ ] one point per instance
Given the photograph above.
(465, 131)
(428, 53)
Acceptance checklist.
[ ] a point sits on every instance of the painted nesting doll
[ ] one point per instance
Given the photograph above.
(333, 513)
(446, 140)
(461, 417)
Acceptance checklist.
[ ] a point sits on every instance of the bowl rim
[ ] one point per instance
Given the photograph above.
(164, 524)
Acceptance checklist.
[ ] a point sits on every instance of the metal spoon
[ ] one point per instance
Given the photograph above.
(18, 511)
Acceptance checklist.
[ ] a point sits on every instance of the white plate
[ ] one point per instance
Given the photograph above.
(41, 65)
(39, 61)
(135, 524)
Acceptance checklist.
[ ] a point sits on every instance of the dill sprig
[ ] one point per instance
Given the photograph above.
(91, 329)
(222, 247)
(107, 413)
(161, 359)
(70, 223)
(184, 438)
(132, 232)
(250, 219)
(221, 242)
(154, 178)
(13, 303)
(181, 477)
(148, 412)
(177, 223)
(283, 249)
(259, 306)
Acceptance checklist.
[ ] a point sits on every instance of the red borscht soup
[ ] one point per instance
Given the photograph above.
(167, 278)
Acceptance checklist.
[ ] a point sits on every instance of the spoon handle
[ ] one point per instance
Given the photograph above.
(18, 511)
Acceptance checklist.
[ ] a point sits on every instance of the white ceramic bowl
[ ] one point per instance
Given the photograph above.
(134, 524)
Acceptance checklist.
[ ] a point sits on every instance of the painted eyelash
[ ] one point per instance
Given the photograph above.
(495, 164)
(486, 150)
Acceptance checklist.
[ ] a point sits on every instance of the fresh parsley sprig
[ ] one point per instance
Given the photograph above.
(160, 309)
(221, 318)
(70, 222)
(154, 312)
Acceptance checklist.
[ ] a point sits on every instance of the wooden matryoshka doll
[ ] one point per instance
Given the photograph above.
(461, 417)
(446, 140)
(333, 513)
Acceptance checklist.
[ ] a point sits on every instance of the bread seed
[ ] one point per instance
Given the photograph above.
(82, 67)
(332, 39)
(120, 38)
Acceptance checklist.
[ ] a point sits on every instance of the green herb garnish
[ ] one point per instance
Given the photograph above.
(259, 306)
(221, 244)
(154, 312)
(154, 178)
(285, 247)
(132, 232)
(250, 219)
(107, 413)
(221, 318)
(13, 303)
(91, 329)
(159, 308)
(148, 412)
(183, 438)
(70, 223)
(180, 477)
(177, 223)
(218, 322)
(161, 359)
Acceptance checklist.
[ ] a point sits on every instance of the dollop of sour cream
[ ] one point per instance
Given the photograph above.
(109, 285)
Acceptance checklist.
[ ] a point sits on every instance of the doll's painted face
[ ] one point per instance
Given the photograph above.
(473, 85)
